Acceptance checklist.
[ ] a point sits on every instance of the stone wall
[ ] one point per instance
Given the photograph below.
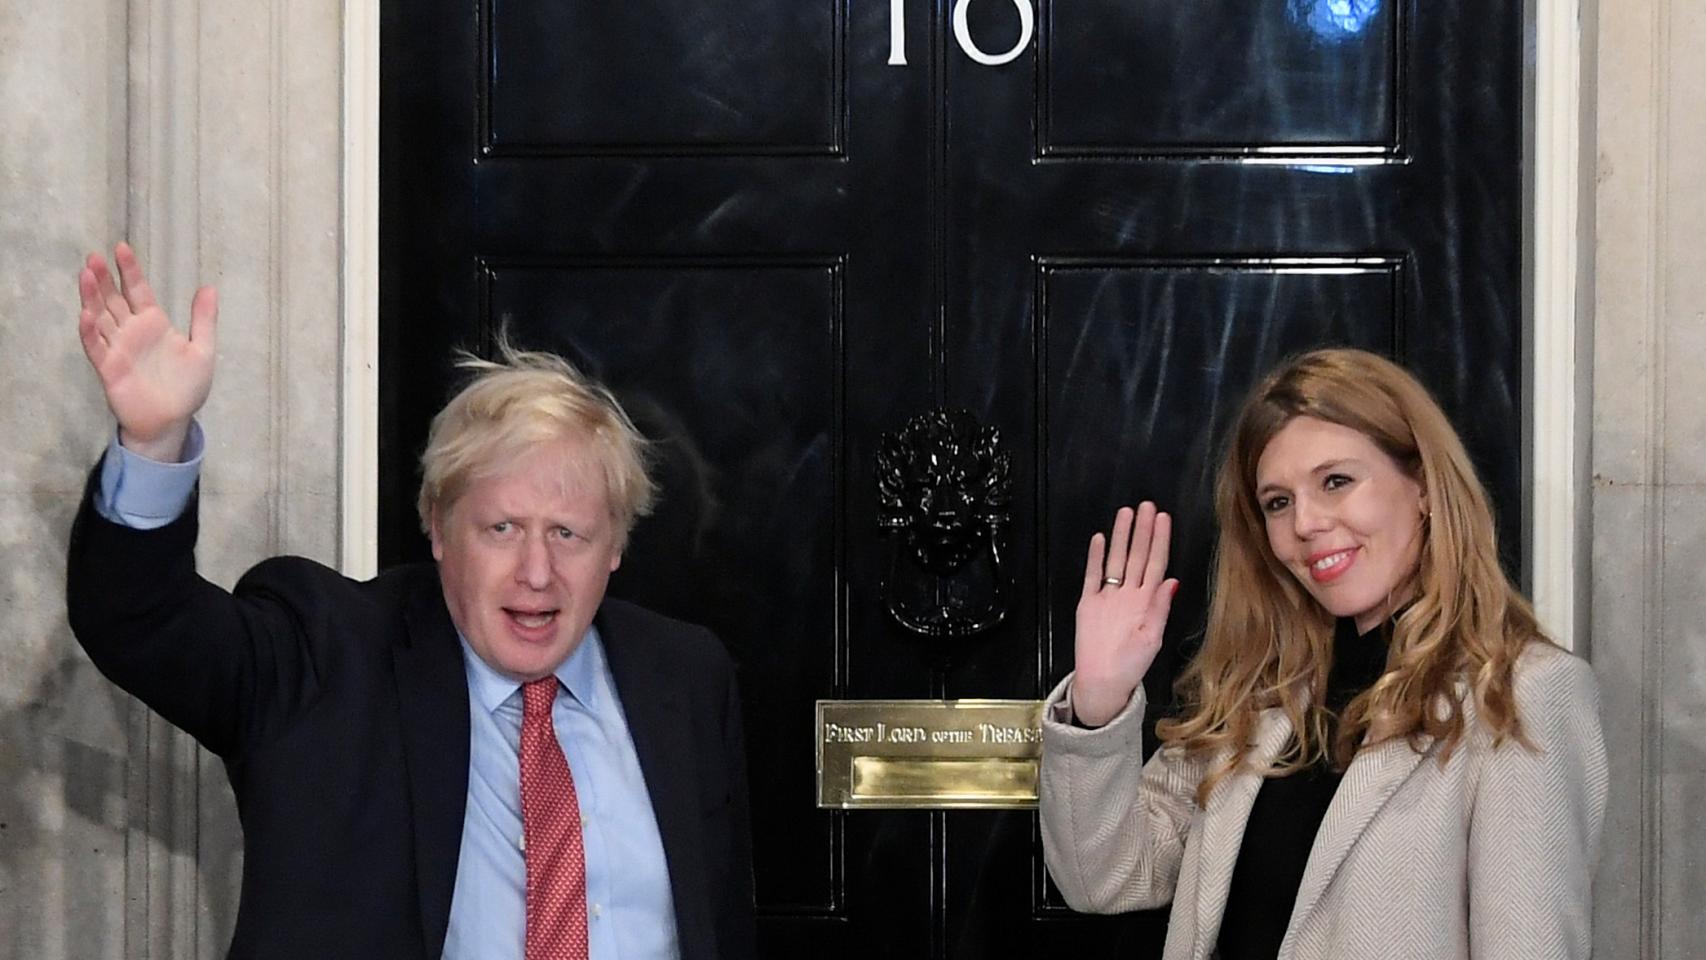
(208, 134)
(1647, 85)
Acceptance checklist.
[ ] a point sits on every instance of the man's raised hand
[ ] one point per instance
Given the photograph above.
(154, 377)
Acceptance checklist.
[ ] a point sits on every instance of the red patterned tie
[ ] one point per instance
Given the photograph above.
(551, 821)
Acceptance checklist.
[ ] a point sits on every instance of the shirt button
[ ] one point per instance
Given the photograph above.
(596, 911)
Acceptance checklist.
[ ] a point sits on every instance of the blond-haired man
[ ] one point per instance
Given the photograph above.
(477, 757)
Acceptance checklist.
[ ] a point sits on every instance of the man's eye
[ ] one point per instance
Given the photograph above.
(502, 526)
(564, 533)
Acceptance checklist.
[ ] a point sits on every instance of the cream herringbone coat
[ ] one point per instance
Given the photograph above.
(1488, 855)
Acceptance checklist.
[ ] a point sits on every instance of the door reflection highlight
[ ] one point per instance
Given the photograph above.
(1334, 20)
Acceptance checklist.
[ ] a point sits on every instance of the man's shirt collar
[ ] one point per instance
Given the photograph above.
(578, 674)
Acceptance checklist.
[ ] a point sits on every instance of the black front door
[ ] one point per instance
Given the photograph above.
(1090, 223)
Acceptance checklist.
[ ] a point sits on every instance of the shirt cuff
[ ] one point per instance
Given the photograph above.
(146, 494)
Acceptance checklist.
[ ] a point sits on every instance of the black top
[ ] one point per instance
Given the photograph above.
(1287, 813)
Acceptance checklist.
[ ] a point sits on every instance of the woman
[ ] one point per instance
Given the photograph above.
(1379, 754)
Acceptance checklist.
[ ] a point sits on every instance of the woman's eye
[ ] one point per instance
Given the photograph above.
(1336, 480)
(1275, 504)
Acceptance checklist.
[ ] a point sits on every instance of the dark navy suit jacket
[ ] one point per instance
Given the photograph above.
(340, 709)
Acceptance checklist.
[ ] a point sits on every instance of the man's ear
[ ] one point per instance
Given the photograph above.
(435, 533)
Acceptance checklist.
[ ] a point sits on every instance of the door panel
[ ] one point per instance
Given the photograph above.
(1141, 357)
(731, 368)
(583, 76)
(1250, 75)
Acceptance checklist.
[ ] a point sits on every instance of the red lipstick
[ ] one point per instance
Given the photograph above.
(1338, 563)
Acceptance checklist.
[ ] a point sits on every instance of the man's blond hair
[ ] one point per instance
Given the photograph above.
(518, 402)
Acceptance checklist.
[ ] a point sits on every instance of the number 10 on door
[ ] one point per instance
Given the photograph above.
(962, 34)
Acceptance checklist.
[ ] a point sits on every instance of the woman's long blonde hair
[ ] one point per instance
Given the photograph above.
(1269, 644)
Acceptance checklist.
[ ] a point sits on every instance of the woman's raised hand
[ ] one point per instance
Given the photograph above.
(154, 377)
(1122, 612)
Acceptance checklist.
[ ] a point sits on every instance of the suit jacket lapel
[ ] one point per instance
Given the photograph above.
(432, 696)
(1371, 779)
(1224, 819)
(658, 722)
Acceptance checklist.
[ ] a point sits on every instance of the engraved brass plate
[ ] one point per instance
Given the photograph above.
(928, 754)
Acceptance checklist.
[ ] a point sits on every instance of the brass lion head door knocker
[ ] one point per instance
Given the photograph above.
(944, 492)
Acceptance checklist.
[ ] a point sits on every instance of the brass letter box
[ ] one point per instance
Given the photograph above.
(928, 754)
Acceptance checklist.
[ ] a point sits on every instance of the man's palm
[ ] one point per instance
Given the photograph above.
(154, 377)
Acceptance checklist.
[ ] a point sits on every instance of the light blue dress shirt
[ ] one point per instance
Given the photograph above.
(630, 912)
(146, 494)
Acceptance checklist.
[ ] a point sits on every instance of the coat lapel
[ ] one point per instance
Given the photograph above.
(1371, 779)
(658, 722)
(1224, 820)
(432, 696)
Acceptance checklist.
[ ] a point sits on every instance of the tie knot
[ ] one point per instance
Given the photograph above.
(536, 696)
